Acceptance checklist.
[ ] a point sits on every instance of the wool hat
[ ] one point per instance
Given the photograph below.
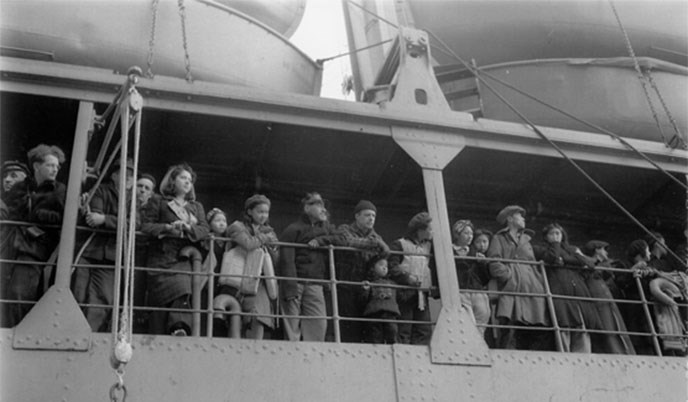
(115, 166)
(213, 212)
(14, 166)
(363, 205)
(419, 221)
(256, 199)
(592, 245)
(636, 247)
(508, 211)
(150, 177)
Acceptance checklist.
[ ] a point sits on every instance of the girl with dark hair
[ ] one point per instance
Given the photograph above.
(564, 275)
(174, 221)
(252, 232)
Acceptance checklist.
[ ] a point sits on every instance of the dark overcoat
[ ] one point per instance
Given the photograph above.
(165, 245)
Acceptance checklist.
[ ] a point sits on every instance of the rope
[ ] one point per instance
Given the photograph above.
(641, 76)
(372, 13)
(555, 146)
(151, 42)
(677, 140)
(321, 61)
(585, 122)
(187, 59)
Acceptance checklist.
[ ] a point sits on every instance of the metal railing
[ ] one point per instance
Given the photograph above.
(336, 319)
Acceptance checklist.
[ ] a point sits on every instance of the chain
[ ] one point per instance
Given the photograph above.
(641, 75)
(118, 391)
(677, 140)
(187, 60)
(151, 42)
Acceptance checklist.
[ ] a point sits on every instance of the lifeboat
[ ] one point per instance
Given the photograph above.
(118, 35)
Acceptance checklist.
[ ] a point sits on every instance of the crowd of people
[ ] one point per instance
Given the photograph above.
(382, 291)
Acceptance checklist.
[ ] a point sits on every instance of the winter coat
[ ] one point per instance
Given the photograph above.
(381, 299)
(304, 262)
(350, 265)
(165, 246)
(43, 204)
(104, 245)
(566, 281)
(516, 277)
(472, 274)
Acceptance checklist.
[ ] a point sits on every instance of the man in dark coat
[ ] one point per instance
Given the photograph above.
(102, 214)
(305, 298)
(513, 243)
(351, 266)
(38, 200)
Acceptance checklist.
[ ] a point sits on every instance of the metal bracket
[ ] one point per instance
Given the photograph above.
(54, 323)
(416, 84)
(430, 149)
(456, 340)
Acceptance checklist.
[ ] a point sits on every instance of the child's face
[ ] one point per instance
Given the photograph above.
(482, 243)
(260, 214)
(219, 224)
(554, 236)
(380, 269)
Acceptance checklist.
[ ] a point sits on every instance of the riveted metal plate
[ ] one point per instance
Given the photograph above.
(456, 340)
(54, 323)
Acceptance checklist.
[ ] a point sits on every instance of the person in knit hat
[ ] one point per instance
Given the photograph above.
(351, 266)
(413, 268)
(513, 243)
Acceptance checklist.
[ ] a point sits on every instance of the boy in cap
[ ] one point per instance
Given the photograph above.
(413, 269)
(351, 266)
(513, 243)
(305, 298)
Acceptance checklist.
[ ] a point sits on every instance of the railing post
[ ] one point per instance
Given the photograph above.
(335, 306)
(211, 290)
(552, 312)
(648, 316)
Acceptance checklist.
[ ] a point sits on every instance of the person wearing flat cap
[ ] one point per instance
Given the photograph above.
(413, 268)
(601, 283)
(95, 285)
(302, 298)
(13, 172)
(351, 266)
(513, 243)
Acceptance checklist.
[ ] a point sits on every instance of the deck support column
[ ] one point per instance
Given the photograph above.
(56, 321)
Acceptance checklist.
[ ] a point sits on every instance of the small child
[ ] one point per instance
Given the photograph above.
(381, 302)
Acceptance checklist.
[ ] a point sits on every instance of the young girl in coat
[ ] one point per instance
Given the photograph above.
(381, 302)
(565, 279)
(250, 233)
(174, 222)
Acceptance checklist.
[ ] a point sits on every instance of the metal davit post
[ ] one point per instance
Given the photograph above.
(56, 322)
(416, 87)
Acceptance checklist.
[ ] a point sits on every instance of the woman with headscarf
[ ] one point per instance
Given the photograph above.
(174, 221)
(563, 263)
